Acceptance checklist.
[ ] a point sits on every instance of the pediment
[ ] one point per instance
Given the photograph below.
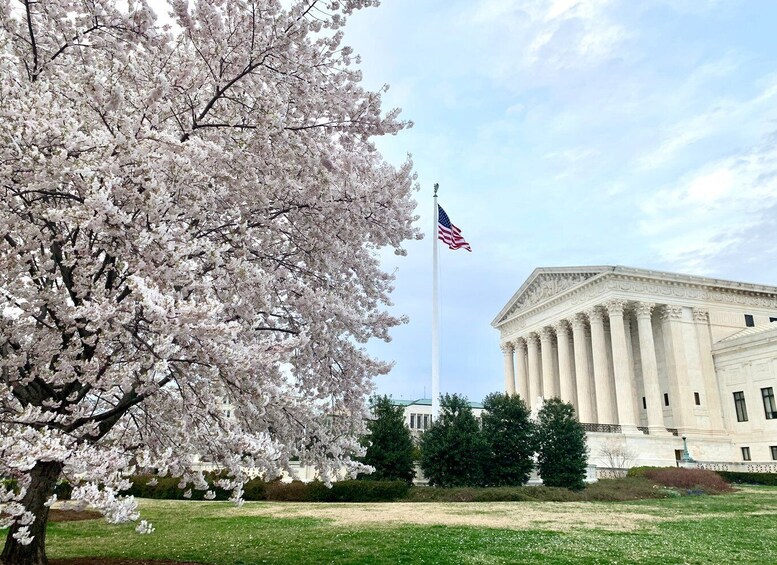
(545, 284)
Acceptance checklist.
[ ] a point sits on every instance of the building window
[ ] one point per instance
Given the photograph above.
(426, 421)
(412, 421)
(697, 398)
(749, 322)
(745, 454)
(644, 403)
(770, 407)
(771, 319)
(773, 449)
(741, 407)
(666, 399)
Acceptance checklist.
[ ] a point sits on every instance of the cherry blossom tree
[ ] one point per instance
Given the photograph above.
(191, 214)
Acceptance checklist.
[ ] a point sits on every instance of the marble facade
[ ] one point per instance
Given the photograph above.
(635, 352)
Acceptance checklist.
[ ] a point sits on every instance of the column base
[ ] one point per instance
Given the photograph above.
(631, 430)
(659, 431)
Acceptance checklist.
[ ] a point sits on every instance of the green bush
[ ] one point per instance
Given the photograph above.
(509, 433)
(166, 488)
(342, 491)
(737, 477)
(255, 489)
(562, 453)
(295, 491)
(389, 446)
(607, 490)
(492, 494)
(638, 471)
(454, 450)
(368, 491)
(63, 490)
(10, 484)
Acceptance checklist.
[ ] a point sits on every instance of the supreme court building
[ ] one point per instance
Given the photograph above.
(647, 357)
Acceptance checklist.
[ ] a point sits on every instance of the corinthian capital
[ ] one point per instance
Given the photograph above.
(546, 334)
(700, 315)
(615, 307)
(561, 327)
(644, 309)
(595, 314)
(672, 312)
(506, 347)
(578, 321)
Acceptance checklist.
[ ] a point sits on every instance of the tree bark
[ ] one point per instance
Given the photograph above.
(44, 478)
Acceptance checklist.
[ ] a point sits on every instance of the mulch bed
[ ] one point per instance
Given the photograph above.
(60, 515)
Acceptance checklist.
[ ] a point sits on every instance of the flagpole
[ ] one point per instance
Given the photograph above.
(435, 316)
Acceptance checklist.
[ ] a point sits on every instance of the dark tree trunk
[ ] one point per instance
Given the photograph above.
(44, 479)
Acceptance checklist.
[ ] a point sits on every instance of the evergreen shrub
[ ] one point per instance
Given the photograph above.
(742, 478)
(562, 453)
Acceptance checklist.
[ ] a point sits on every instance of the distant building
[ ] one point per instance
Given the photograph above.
(647, 357)
(418, 413)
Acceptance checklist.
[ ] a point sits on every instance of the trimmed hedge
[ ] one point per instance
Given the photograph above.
(166, 488)
(742, 478)
(603, 490)
(343, 491)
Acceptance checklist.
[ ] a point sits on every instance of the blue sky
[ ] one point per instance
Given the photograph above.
(570, 133)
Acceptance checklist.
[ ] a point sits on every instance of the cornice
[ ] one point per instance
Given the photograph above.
(651, 285)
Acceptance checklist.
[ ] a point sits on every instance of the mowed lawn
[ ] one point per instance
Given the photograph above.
(724, 529)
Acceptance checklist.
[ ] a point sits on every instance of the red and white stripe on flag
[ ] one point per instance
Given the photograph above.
(448, 233)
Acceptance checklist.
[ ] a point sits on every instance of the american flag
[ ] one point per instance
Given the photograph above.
(448, 233)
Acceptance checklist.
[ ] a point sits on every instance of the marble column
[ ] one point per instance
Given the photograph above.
(647, 356)
(549, 379)
(521, 375)
(585, 394)
(509, 368)
(677, 362)
(636, 395)
(565, 376)
(701, 320)
(535, 384)
(605, 393)
(624, 381)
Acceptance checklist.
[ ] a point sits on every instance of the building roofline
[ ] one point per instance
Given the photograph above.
(601, 271)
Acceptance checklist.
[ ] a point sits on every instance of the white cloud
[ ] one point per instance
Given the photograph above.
(720, 117)
(536, 39)
(715, 211)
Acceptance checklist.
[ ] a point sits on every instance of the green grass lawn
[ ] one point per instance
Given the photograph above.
(726, 529)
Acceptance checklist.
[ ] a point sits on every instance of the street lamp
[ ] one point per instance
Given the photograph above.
(686, 458)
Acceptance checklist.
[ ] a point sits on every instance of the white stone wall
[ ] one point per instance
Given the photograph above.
(748, 364)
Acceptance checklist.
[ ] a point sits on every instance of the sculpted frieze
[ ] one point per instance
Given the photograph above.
(546, 286)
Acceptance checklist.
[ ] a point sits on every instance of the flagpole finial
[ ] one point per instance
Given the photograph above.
(436, 188)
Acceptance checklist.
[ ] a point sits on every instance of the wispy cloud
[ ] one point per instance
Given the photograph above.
(537, 41)
(714, 211)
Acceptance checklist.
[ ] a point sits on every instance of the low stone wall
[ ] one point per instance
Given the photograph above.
(737, 467)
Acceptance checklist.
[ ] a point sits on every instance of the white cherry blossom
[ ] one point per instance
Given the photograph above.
(188, 213)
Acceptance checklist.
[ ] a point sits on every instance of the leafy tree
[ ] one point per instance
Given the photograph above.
(453, 450)
(510, 435)
(562, 454)
(189, 214)
(389, 445)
